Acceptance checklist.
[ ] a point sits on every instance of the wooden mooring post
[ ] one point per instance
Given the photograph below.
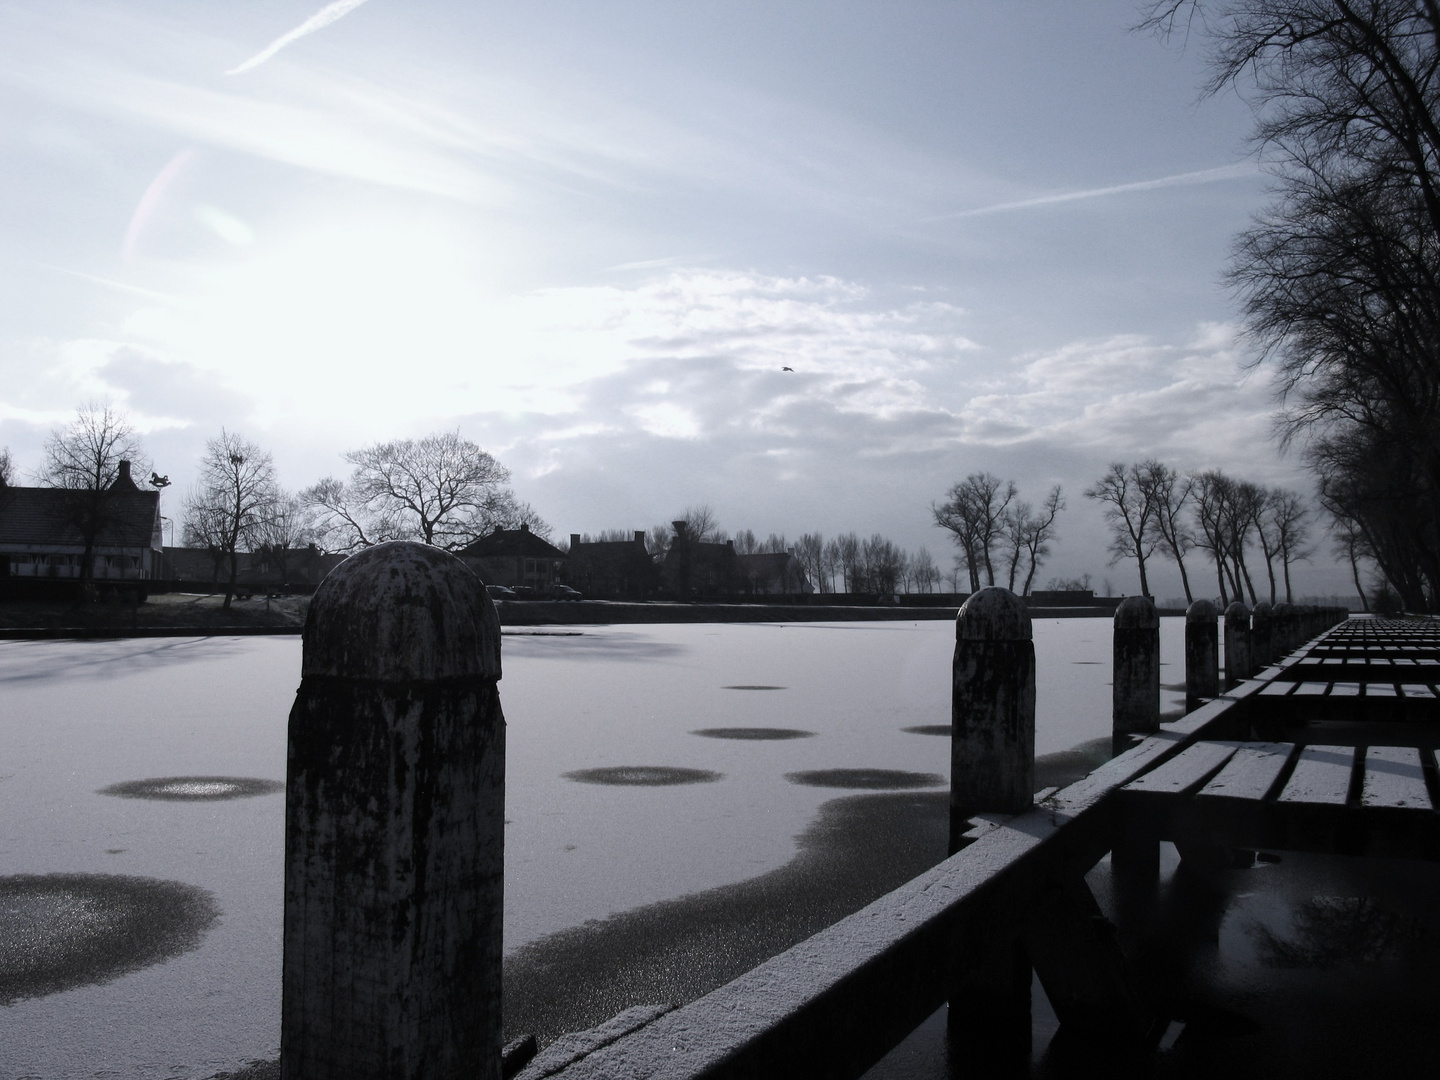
(1202, 654)
(992, 768)
(1263, 644)
(394, 826)
(1136, 669)
(1239, 663)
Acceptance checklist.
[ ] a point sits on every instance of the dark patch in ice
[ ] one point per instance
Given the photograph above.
(928, 729)
(60, 931)
(754, 688)
(866, 779)
(193, 788)
(753, 733)
(643, 775)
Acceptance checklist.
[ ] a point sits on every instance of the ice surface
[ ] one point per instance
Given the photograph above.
(81, 716)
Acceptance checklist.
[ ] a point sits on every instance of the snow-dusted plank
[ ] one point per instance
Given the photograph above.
(1380, 689)
(1394, 778)
(1311, 689)
(1250, 773)
(1184, 771)
(1345, 689)
(1277, 689)
(1321, 776)
(1417, 690)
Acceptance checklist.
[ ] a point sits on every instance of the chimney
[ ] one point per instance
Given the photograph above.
(524, 526)
(123, 481)
(680, 528)
(574, 541)
(640, 537)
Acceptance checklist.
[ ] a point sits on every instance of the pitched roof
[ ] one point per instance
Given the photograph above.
(519, 542)
(39, 517)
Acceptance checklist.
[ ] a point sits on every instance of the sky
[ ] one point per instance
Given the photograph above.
(591, 235)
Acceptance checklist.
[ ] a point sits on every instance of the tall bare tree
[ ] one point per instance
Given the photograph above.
(7, 467)
(1130, 512)
(974, 511)
(442, 490)
(233, 496)
(1171, 493)
(84, 460)
(1290, 519)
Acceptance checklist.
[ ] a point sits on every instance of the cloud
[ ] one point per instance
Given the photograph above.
(321, 19)
(1240, 171)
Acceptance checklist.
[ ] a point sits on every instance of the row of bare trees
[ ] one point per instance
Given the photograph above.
(994, 528)
(1153, 509)
(1339, 276)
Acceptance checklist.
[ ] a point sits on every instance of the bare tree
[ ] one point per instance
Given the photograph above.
(1171, 493)
(924, 571)
(84, 459)
(657, 541)
(233, 496)
(441, 490)
(289, 525)
(847, 560)
(810, 550)
(1039, 533)
(1290, 519)
(975, 512)
(702, 524)
(7, 468)
(1351, 545)
(745, 543)
(1130, 511)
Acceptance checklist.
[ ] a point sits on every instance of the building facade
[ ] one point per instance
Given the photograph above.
(516, 558)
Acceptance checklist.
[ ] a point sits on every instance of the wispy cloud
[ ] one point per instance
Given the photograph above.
(1238, 171)
(321, 19)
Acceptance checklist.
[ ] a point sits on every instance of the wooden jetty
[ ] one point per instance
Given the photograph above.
(1328, 745)
(1319, 751)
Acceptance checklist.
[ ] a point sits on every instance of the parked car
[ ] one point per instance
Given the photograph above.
(525, 592)
(500, 592)
(565, 592)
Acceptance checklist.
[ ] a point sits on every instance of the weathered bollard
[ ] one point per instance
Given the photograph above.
(992, 709)
(1136, 671)
(1202, 654)
(1262, 637)
(1238, 664)
(1283, 629)
(992, 768)
(394, 826)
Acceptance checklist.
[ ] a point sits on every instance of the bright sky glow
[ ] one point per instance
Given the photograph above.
(590, 236)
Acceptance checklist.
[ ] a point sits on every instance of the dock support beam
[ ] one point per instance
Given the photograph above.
(1202, 654)
(394, 826)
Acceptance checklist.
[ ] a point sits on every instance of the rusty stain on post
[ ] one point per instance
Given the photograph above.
(992, 741)
(394, 826)
(1136, 672)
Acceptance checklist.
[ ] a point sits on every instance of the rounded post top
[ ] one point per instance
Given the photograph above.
(1137, 613)
(1202, 611)
(1263, 610)
(1281, 609)
(993, 614)
(402, 612)
(1237, 612)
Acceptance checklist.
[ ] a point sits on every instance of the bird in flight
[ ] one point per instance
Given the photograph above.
(787, 369)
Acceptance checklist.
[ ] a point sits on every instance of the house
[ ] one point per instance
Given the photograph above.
(772, 573)
(515, 557)
(613, 569)
(696, 568)
(42, 534)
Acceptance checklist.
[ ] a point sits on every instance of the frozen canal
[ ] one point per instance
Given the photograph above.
(82, 720)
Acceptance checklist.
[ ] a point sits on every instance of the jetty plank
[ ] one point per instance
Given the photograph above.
(1394, 778)
(1321, 776)
(1185, 771)
(1251, 772)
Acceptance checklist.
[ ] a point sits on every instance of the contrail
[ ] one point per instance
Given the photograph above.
(1204, 176)
(321, 19)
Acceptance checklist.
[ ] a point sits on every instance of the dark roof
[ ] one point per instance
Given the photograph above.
(46, 516)
(512, 543)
